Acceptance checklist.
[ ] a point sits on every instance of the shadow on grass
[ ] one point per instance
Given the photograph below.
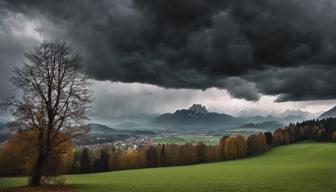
(46, 188)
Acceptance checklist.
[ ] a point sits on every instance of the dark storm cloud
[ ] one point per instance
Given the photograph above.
(241, 45)
(13, 43)
(240, 88)
(297, 84)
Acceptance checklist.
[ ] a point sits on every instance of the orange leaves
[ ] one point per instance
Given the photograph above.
(21, 152)
(281, 137)
(235, 147)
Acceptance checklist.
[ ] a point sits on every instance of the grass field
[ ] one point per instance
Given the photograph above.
(304, 167)
(186, 139)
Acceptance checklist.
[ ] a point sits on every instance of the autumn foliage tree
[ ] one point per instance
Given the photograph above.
(221, 148)
(235, 147)
(55, 101)
(281, 137)
(256, 144)
(241, 145)
(22, 153)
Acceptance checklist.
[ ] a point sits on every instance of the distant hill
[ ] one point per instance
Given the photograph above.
(264, 125)
(197, 116)
(329, 113)
(258, 119)
(286, 117)
(289, 116)
(298, 113)
(4, 130)
(103, 134)
(100, 129)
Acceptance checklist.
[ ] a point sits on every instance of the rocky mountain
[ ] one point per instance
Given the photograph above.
(197, 116)
(329, 113)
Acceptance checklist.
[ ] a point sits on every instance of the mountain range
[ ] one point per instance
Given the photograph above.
(197, 116)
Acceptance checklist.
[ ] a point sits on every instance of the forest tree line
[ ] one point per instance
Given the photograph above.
(87, 160)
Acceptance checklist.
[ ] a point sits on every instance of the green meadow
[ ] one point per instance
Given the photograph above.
(186, 139)
(304, 167)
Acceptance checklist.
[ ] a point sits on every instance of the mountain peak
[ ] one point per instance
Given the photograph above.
(198, 109)
(195, 117)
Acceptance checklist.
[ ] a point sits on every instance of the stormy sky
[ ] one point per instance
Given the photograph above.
(149, 57)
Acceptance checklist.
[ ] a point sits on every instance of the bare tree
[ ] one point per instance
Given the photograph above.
(56, 99)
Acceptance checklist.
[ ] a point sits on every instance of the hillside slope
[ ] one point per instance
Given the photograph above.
(308, 167)
(330, 113)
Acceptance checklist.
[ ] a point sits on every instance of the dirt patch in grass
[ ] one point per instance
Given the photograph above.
(51, 188)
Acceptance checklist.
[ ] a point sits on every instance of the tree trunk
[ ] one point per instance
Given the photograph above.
(37, 172)
(35, 179)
